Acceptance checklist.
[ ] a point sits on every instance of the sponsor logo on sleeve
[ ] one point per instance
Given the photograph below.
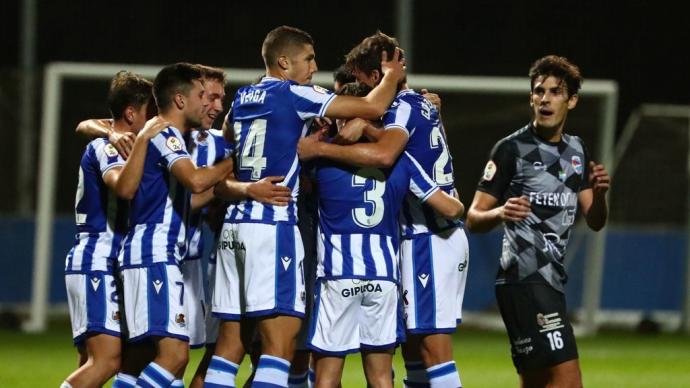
(489, 171)
(174, 144)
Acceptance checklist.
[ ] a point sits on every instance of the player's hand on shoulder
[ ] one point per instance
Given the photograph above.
(308, 147)
(123, 142)
(599, 178)
(396, 64)
(269, 192)
(515, 209)
(351, 132)
(153, 127)
(432, 98)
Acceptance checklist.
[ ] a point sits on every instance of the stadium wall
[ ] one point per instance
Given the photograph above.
(643, 269)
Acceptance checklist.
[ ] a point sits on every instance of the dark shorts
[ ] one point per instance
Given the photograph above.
(538, 329)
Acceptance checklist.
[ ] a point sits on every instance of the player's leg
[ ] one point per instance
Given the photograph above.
(334, 328)
(543, 350)
(378, 367)
(211, 325)
(329, 370)
(434, 274)
(274, 290)
(154, 308)
(378, 330)
(95, 317)
(227, 306)
(103, 361)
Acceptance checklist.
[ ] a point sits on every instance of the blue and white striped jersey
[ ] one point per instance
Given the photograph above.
(206, 148)
(269, 118)
(427, 144)
(100, 216)
(157, 213)
(358, 217)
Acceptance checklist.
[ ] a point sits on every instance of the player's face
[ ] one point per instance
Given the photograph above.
(302, 65)
(196, 106)
(216, 94)
(550, 102)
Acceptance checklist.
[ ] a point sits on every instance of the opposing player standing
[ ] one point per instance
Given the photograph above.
(534, 183)
(434, 250)
(101, 220)
(258, 272)
(156, 242)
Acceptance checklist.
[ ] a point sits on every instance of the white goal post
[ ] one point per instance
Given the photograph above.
(55, 73)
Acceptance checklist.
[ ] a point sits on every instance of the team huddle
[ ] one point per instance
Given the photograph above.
(336, 221)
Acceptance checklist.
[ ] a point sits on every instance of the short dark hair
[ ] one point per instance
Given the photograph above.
(343, 75)
(173, 79)
(127, 89)
(354, 89)
(366, 56)
(280, 39)
(559, 67)
(213, 73)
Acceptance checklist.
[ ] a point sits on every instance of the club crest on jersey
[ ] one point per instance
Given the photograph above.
(489, 171)
(174, 144)
(179, 319)
(116, 316)
(577, 164)
(319, 89)
(110, 150)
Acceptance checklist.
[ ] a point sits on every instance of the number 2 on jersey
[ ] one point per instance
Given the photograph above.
(437, 140)
(252, 156)
(373, 196)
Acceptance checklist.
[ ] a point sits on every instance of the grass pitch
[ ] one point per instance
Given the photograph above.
(612, 359)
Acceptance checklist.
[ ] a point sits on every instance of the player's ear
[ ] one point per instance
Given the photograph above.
(376, 76)
(572, 101)
(129, 114)
(531, 102)
(179, 101)
(283, 62)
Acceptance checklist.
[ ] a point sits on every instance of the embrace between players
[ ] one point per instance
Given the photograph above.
(386, 257)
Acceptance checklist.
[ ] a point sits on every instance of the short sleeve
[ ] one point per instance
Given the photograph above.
(585, 176)
(499, 170)
(310, 100)
(107, 156)
(421, 185)
(398, 116)
(170, 146)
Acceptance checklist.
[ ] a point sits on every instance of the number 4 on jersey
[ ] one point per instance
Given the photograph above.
(252, 156)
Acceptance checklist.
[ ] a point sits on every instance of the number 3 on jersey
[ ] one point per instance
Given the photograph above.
(252, 155)
(373, 197)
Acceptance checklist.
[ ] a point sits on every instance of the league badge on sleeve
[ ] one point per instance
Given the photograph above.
(319, 89)
(110, 150)
(577, 164)
(174, 144)
(489, 171)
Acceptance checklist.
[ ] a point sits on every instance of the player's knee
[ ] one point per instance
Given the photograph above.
(109, 366)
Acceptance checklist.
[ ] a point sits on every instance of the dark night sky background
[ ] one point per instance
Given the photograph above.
(644, 45)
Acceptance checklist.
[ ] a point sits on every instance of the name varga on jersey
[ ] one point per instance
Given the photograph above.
(253, 96)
